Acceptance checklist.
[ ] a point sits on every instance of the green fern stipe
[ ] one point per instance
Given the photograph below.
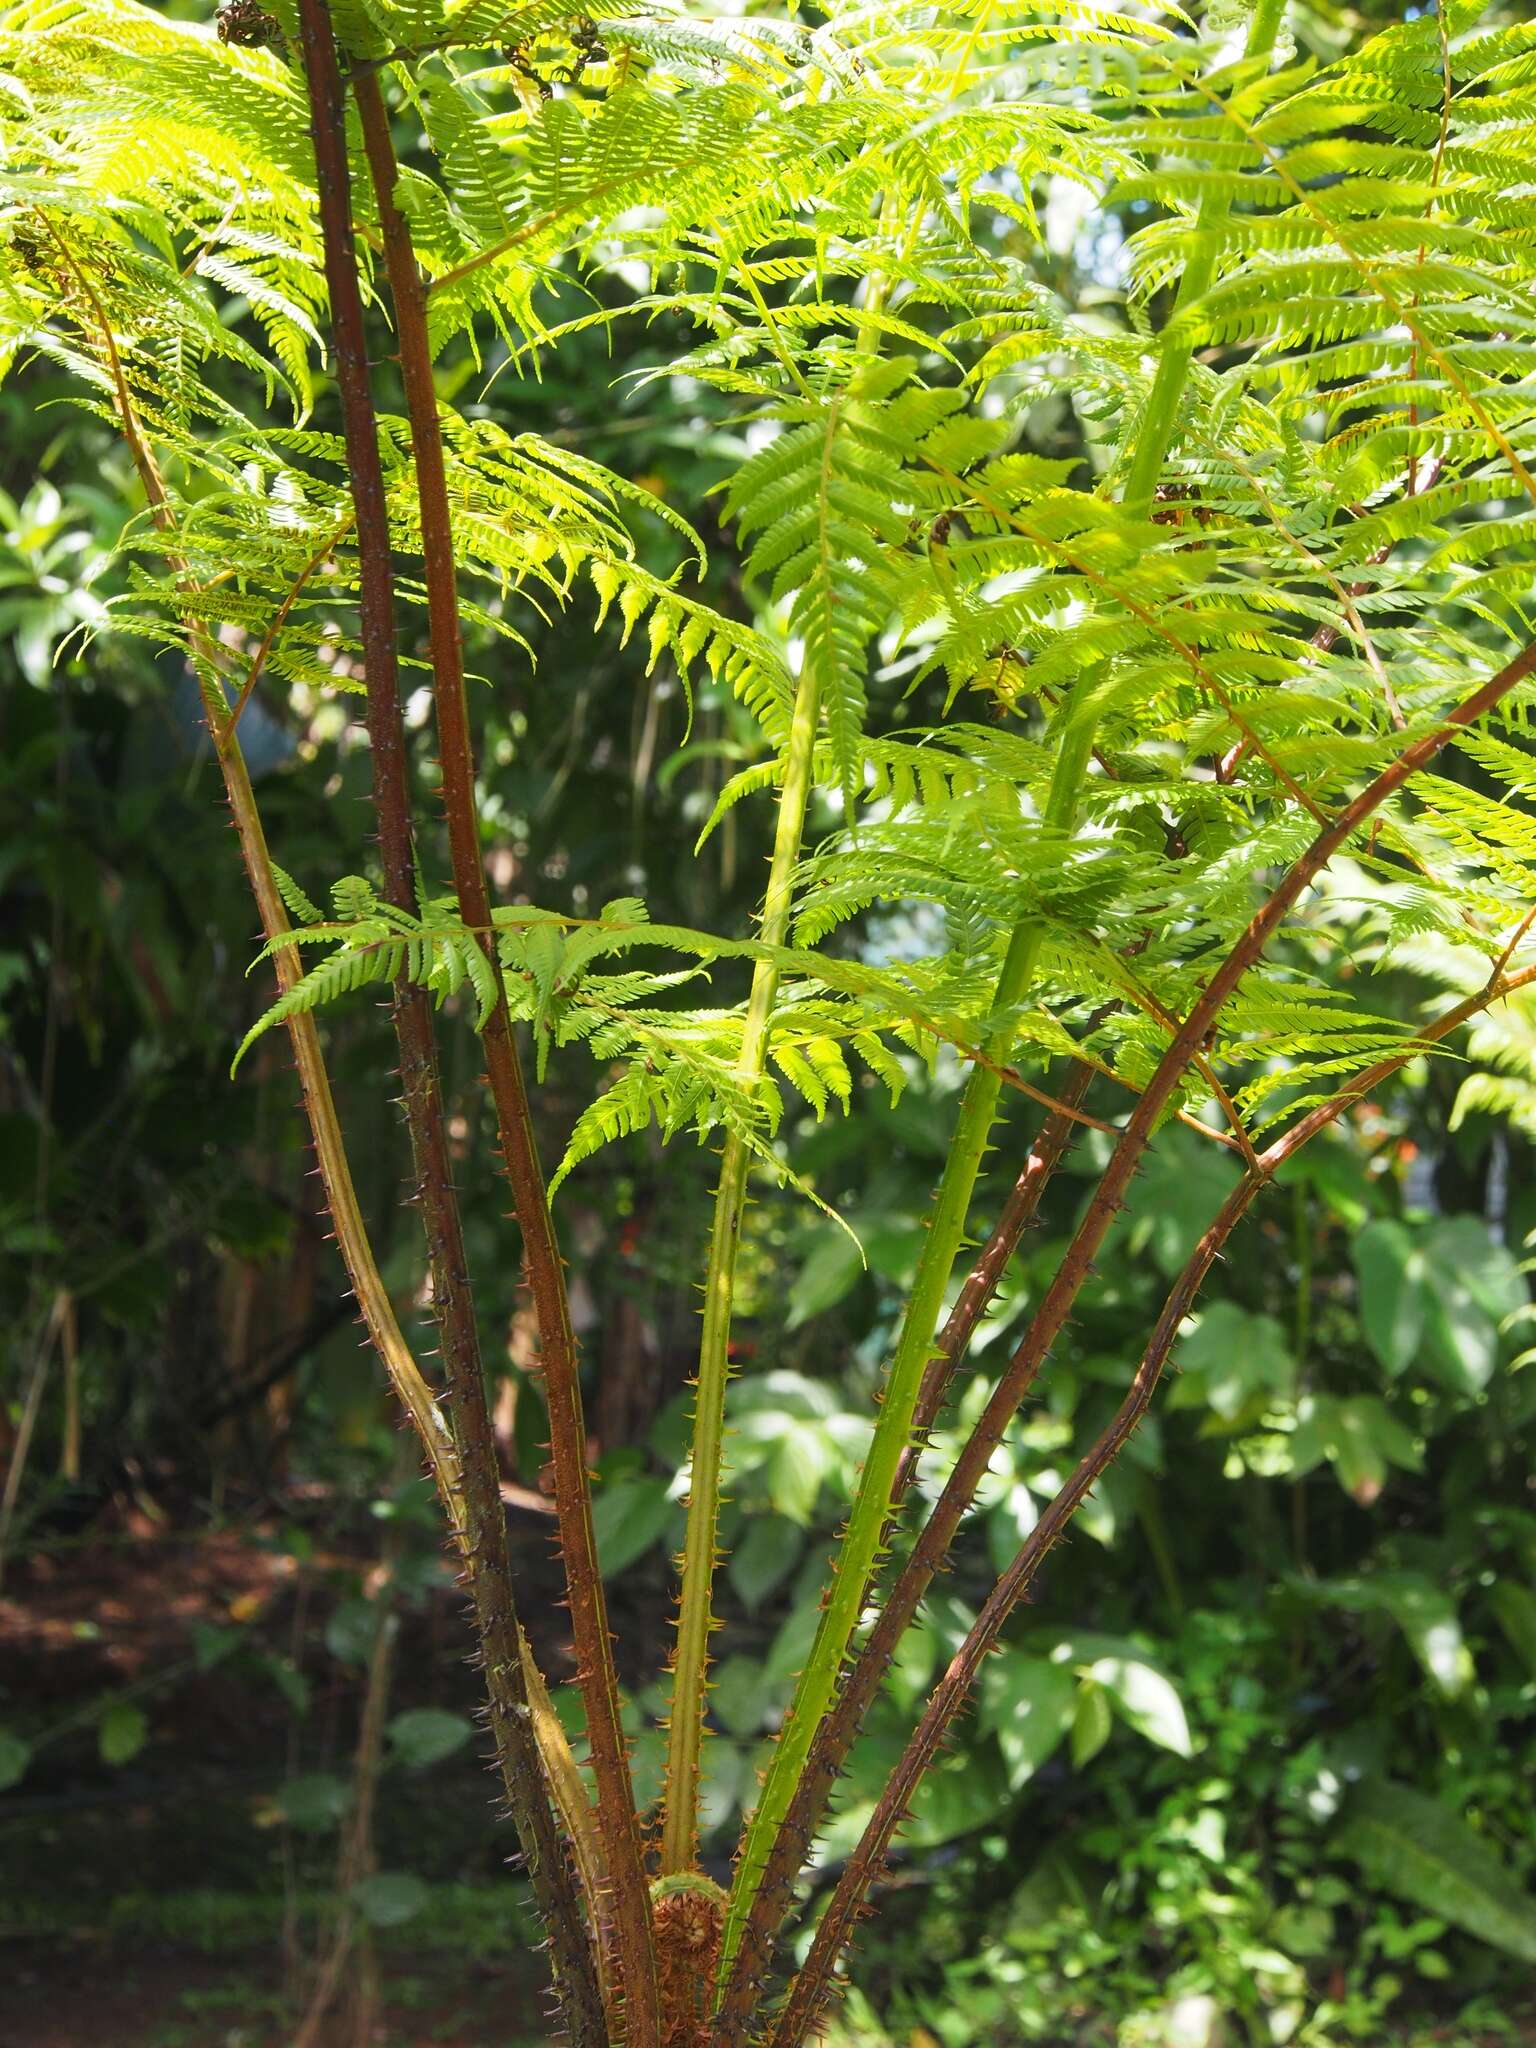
(679, 1836)
(859, 1551)
(809, 503)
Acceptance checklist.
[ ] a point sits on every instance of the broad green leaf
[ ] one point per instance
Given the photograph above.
(781, 1392)
(1092, 1720)
(1390, 1270)
(629, 1517)
(1514, 1607)
(314, 1802)
(1234, 1363)
(766, 1554)
(1461, 1338)
(799, 1463)
(1359, 1437)
(1465, 1247)
(121, 1733)
(1207, 1832)
(1028, 1703)
(1472, 1284)
(1424, 1612)
(1146, 1700)
(1398, 1444)
(1420, 1851)
(426, 1735)
(1357, 1454)
(389, 1898)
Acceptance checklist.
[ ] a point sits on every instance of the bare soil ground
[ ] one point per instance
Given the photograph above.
(166, 1997)
(144, 1904)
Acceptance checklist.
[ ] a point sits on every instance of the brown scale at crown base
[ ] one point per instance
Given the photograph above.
(688, 1915)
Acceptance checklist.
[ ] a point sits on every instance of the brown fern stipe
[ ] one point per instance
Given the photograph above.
(483, 1518)
(634, 2012)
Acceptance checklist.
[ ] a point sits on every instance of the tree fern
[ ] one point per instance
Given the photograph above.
(1243, 610)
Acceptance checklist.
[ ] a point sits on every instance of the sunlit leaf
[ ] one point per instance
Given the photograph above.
(1420, 1851)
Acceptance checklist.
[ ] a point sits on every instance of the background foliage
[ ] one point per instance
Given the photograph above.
(1266, 1736)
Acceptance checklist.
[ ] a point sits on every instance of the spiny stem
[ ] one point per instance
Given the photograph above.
(860, 1547)
(691, 1660)
(680, 1826)
(314, 1082)
(814, 1981)
(938, 1532)
(617, 1821)
(981, 1284)
(837, 1734)
(483, 1518)
(811, 1988)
